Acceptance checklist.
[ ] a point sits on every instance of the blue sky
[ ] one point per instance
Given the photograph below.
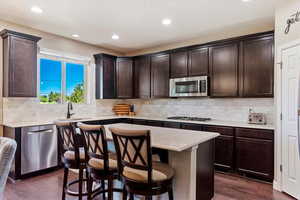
(51, 73)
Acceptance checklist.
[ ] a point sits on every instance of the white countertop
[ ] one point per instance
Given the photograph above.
(169, 138)
(211, 122)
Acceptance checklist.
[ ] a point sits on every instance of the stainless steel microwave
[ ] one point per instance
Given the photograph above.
(189, 87)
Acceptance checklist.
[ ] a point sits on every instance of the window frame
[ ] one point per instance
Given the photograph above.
(50, 55)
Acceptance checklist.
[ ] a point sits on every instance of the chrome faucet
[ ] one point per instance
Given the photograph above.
(70, 107)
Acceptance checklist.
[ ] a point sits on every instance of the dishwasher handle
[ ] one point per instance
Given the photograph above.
(40, 131)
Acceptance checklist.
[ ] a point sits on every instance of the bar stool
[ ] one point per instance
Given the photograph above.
(102, 165)
(72, 156)
(141, 175)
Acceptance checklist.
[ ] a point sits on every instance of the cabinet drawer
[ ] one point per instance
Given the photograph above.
(196, 127)
(139, 121)
(220, 129)
(155, 123)
(172, 124)
(255, 133)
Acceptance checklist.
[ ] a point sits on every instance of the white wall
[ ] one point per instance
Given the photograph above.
(283, 12)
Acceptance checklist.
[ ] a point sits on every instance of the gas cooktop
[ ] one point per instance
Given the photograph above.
(201, 119)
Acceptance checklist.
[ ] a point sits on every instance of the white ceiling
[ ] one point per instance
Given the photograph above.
(137, 22)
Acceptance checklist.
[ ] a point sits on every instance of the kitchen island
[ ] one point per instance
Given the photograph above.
(190, 153)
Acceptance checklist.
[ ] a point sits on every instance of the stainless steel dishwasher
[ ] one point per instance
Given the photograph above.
(38, 148)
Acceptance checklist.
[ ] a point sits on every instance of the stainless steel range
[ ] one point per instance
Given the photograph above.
(201, 119)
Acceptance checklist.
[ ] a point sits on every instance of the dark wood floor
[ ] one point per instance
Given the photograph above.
(48, 187)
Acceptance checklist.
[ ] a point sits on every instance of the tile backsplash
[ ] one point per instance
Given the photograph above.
(29, 109)
(236, 109)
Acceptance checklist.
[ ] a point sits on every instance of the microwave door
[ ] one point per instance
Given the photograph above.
(186, 88)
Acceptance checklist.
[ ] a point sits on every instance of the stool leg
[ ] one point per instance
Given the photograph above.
(131, 196)
(65, 182)
(80, 184)
(124, 193)
(89, 187)
(103, 188)
(170, 192)
(110, 188)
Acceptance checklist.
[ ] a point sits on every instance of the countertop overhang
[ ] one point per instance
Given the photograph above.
(171, 139)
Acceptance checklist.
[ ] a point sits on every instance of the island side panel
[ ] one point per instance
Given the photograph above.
(185, 165)
(205, 170)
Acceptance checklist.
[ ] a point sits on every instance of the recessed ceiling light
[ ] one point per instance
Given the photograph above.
(36, 9)
(166, 21)
(246, 0)
(75, 36)
(115, 37)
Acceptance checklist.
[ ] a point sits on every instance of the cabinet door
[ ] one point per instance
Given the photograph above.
(257, 67)
(142, 80)
(179, 64)
(22, 68)
(124, 78)
(224, 70)
(224, 152)
(160, 66)
(198, 62)
(255, 157)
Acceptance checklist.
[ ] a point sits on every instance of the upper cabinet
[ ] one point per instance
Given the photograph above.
(105, 76)
(160, 71)
(257, 67)
(19, 64)
(236, 67)
(224, 70)
(198, 62)
(185, 63)
(179, 64)
(142, 77)
(124, 78)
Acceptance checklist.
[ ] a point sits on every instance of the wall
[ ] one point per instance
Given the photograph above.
(283, 12)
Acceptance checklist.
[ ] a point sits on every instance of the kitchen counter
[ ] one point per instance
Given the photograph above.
(211, 122)
(169, 138)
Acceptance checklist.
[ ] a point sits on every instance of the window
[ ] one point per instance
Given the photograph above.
(61, 81)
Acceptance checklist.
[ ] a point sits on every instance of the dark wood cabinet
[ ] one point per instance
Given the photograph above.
(105, 76)
(224, 153)
(142, 77)
(19, 64)
(190, 126)
(179, 64)
(255, 152)
(224, 70)
(257, 67)
(198, 62)
(160, 68)
(124, 70)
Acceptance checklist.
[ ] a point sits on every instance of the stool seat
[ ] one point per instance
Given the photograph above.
(70, 155)
(160, 172)
(98, 164)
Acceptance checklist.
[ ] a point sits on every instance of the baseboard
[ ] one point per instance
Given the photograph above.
(277, 186)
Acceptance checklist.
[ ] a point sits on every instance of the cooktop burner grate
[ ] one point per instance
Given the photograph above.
(201, 119)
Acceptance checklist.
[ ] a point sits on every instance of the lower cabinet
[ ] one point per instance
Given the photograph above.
(255, 154)
(224, 153)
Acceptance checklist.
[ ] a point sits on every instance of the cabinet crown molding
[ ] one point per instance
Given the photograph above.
(5, 33)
